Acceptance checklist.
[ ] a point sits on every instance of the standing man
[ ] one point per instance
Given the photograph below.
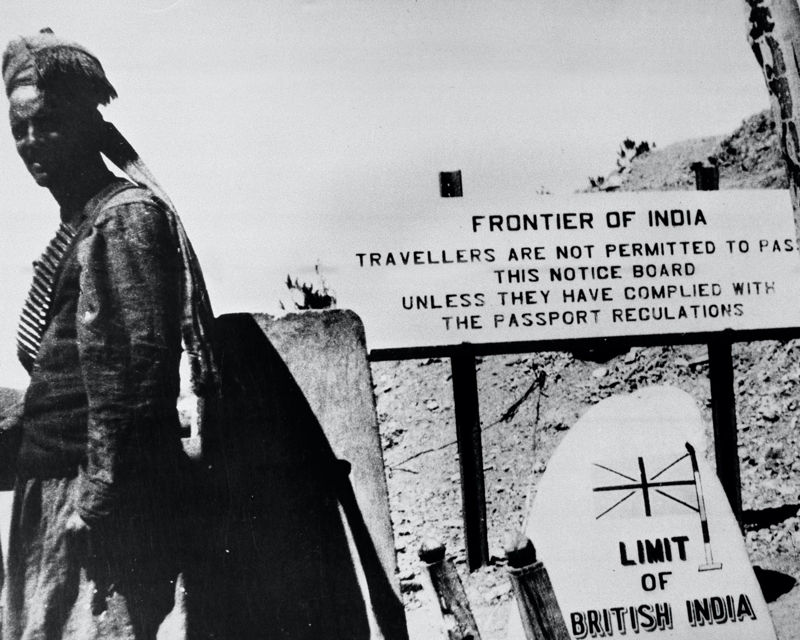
(96, 520)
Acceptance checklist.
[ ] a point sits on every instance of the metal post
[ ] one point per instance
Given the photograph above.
(470, 456)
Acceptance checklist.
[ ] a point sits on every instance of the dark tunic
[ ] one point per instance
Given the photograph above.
(100, 434)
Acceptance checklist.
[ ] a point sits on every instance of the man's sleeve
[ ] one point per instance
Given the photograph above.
(128, 333)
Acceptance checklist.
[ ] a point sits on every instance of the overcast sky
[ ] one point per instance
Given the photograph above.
(271, 123)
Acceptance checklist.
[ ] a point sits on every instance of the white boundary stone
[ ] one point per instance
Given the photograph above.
(591, 548)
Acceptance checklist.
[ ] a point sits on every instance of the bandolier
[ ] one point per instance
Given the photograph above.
(36, 310)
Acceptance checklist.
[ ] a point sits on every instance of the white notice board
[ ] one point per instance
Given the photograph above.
(453, 270)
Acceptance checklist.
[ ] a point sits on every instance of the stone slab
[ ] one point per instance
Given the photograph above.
(293, 520)
(326, 354)
(617, 521)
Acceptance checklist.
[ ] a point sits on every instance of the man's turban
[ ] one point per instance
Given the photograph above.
(68, 69)
(54, 64)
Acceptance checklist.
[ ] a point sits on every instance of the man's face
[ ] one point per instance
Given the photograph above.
(51, 139)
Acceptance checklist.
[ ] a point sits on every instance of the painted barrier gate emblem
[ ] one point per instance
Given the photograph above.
(674, 486)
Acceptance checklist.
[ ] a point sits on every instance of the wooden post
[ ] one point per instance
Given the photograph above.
(450, 184)
(723, 412)
(706, 178)
(458, 618)
(538, 608)
(723, 401)
(470, 456)
(468, 428)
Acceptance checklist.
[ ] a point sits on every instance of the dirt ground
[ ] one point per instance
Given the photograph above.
(528, 402)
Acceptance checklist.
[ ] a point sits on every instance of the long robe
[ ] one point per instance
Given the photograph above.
(101, 435)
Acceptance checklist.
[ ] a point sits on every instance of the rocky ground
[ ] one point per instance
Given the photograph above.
(749, 158)
(529, 401)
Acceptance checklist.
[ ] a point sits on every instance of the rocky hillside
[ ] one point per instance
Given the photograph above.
(749, 158)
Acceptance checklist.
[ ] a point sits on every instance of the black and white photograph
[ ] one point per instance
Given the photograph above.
(400, 320)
